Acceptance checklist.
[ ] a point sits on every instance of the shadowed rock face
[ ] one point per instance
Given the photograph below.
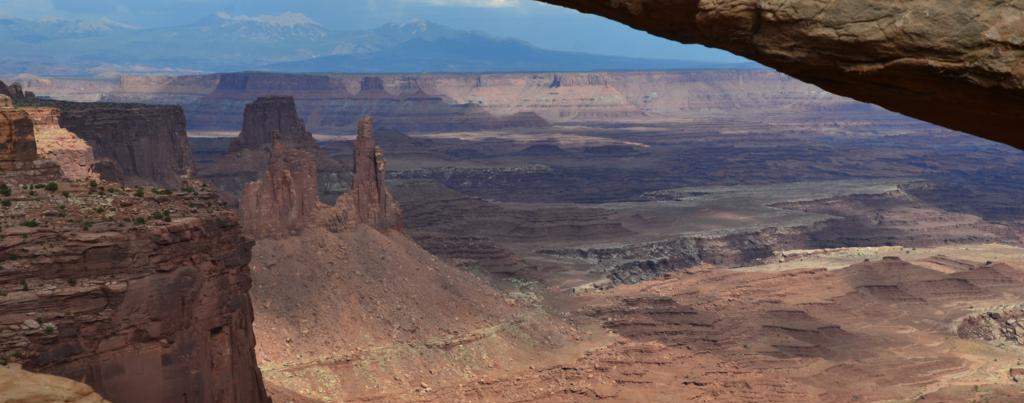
(135, 145)
(957, 63)
(269, 115)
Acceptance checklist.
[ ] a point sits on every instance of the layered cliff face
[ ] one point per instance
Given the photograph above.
(959, 64)
(327, 104)
(446, 102)
(136, 145)
(141, 295)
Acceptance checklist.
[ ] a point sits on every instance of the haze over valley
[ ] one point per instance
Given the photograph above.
(244, 204)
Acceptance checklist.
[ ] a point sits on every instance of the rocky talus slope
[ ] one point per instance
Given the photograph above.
(348, 307)
(959, 64)
(140, 293)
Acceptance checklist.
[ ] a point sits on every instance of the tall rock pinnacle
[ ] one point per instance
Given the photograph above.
(374, 204)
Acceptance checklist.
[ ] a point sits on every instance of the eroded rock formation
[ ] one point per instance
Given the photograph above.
(959, 64)
(268, 116)
(369, 202)
(284, 200)
(142, 296)
(249, 154)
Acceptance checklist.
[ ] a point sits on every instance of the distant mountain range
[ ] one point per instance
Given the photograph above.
(289, 42)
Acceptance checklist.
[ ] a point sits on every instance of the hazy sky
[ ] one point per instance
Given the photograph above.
(541, 24)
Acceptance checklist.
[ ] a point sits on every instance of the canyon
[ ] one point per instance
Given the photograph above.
(331, 104)
(954, 65)
(702, 235)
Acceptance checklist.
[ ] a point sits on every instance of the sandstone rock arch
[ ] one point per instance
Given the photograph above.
(956, 63)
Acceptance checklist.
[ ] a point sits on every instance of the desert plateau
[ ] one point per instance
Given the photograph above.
(255, 208)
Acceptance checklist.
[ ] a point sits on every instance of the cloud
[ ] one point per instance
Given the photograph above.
(30, 9)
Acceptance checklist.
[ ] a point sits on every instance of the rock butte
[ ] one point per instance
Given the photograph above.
(959, 64)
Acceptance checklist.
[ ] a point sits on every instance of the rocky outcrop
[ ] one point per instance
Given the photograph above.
(369, 202)
(284, 201)
(133, 144)
(20, 386)
(19, 160)
(270, 116)
(958, 64)
(143, 296)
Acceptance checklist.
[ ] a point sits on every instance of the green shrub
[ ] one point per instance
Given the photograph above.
(6, 203)
(5, 190)
(30, 223)
(140, 192)
(52, 187)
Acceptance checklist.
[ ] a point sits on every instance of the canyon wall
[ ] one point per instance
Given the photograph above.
(136, 145)
(958, 63)
(144, 297)
(332, 104)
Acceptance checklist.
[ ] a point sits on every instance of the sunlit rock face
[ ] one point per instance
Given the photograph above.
(957, 63)
(19, 160)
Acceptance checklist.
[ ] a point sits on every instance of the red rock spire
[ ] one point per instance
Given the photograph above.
(374, 205)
